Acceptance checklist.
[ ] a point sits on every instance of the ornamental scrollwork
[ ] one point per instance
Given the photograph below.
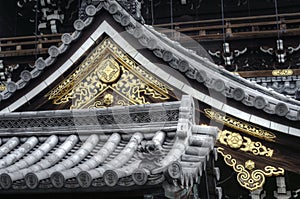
(240, 125)
(247, 176)
(108, 72)
(236, 141)
(2, 87)
(283, 72)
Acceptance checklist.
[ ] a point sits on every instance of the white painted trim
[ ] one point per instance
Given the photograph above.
(293, 131)
(151, 67)
(64, 67)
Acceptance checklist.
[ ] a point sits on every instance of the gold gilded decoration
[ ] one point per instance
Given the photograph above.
(283, 72)
(240, 125)
(236, 141)
(108, 70)
(250, 165)
(2, 87)
(250, 178)
(96, 104)
(108, 99)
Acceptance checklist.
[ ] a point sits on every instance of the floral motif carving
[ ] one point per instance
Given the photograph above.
(236, 141)
(249, 164)
(2, 87)
(107, 71)
(247, 176)
(283, 72)
(240, 125)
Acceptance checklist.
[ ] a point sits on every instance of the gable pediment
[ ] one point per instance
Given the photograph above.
(109, 77)
(193, 69)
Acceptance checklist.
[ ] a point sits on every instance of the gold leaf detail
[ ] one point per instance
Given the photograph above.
(236, 141)
(108, 99)
(2, 87)
(249, 164)
(283, 72)
(240, 125)
(108, 68)
(109, 71)
(249, 178)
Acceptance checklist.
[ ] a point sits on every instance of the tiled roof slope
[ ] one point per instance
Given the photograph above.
(186, 61)
(131, 148)
(288, 85)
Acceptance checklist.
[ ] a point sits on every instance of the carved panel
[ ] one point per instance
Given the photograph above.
(283, 72)
(248, 175)
(236, 141)
(109, 77)
(240, 125)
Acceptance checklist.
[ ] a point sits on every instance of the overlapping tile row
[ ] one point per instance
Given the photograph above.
(86, 159)
(287, 85)
(185, 61)
(113, 118)
(57, 161)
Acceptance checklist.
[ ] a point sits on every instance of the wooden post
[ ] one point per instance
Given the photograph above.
(177, 33)
(281, 192)
(39, 44)
(255, 194)
(282, 25)
(228, 29)
(202, 32)
(18, 47)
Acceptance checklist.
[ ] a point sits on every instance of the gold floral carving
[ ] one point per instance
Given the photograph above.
(109, 71)
(236, 141)
(283, 72)
(2, 87)
(247, 176)
(240, 125)
(249, 164)
(108, 99)
(106, 71)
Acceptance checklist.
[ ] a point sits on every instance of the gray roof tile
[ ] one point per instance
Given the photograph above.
(57, 159)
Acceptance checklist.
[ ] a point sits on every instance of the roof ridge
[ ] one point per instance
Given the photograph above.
(207, 73)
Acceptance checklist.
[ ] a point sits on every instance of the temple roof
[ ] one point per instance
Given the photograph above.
(120, 146)
(194, 67)
(150, 144)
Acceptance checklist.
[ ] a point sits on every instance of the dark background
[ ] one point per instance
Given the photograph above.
(12, 24)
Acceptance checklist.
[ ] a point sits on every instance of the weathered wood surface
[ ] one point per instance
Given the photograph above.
(28, 45)
(237, 28)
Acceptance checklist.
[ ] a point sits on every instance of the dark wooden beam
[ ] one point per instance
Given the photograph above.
(28, 45)
(237, 28)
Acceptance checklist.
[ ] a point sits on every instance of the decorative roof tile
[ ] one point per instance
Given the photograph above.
(90, 158)
(186, 61)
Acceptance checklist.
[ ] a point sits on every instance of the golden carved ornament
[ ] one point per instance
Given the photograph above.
(283, 72)
(107, 69)
(249, 164)
(240, 125)
(2, 87)
(108, 99)
(236, 141)
(247, 176)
